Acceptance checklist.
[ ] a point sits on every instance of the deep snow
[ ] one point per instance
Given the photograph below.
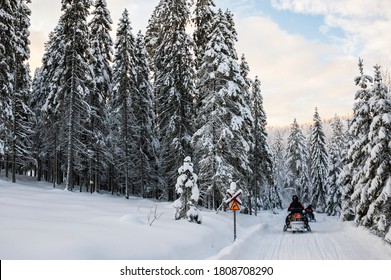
(38, 221)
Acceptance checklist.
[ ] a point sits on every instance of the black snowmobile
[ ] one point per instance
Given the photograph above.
(296, 221)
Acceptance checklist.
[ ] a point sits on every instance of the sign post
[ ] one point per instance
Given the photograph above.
(234, 202)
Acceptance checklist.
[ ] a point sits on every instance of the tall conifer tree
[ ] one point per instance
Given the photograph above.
(219, 145)
(203, 17)
(352, 177)
(146, 176)
(173, 87)
(15, 82)
(318, 164)
(47, 85)
(297, 156)
(262, 167)
(335, 164)
(77, 81)
(124, 88)
(280, 169)
(101, 48)
(374, 207)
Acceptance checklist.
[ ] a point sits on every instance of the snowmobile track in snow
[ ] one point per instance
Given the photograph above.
(330, 239)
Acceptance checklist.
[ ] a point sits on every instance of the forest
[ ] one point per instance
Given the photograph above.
(121, 116)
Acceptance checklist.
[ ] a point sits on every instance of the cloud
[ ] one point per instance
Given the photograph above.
(365, 23)
(345, 8)
(297, 75)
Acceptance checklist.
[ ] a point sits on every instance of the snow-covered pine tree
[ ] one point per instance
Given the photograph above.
(77, 82)
(352, 177)
(298, 179)
(16, 116)
(37, 139)
(123, 90)
(374, 208)
(232, 37)
(101, 48)
(152, 35)
(318, 163)
(102, 51)
(345, 177)
(187, 189)
(7, 35)
(203, 16)
(145, 175)
(173, 87)
(248, 127)
(47, 85)
(244, 121)
(335, 164)
(263, 181)
(280, 169)
(219, 145)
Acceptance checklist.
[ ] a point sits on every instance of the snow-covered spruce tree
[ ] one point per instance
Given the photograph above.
(264, 183)
(187, 189)
(280, 169)
(231, 40)
(298, 179)
(123, 90)
(38, 124)
(203, 16)
(153, 32)
(318, 164)
(77, 82)
(102, 51)
(16, 115)
(335, 164)
(345, 178)
(250, 193)
(352, 178)
(173, 88)
(248, 134)
(219, 145)
(7, 60)
(374, 208)
(243, 121)
(145, 175)
(47, 85)
(101, 48)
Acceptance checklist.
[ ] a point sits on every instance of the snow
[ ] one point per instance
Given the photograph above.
(42, 222)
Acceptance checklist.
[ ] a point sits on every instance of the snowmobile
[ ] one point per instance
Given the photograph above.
(297, 222)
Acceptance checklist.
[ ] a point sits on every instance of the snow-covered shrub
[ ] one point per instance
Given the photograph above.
(189, 193)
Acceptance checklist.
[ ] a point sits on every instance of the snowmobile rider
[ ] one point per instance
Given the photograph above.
(310, 212)
(294, 207)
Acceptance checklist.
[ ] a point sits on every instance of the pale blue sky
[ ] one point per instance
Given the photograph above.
(305, 52)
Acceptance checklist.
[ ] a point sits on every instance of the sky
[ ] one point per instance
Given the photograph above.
(305, 52)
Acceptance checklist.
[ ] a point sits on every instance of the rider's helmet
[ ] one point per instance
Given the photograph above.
(295, 198)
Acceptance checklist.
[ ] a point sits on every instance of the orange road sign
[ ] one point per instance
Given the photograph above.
(234, 206)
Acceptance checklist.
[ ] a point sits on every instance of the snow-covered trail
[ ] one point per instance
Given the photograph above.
(40, 222)
(330, 239)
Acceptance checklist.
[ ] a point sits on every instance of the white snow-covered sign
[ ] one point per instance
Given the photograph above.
(234, 202)
(233, 198)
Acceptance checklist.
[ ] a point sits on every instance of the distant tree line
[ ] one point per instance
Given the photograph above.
(349, 174)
